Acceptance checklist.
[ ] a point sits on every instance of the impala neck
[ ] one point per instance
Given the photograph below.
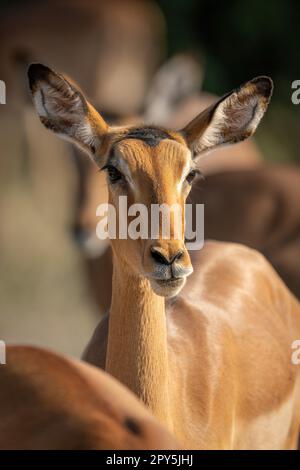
(137, 339)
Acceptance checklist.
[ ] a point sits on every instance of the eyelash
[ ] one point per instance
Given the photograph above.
(192, 175)
(114, 175)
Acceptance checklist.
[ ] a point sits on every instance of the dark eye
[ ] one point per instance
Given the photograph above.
(114, 174)
(192, 175)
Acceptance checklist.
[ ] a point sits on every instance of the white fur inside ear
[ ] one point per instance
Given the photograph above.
(61, 103)
(62, 110)
(39, 103)
(234, 119)
(86, 135)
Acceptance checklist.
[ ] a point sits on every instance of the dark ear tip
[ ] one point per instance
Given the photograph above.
(37, 72)
(264, 86)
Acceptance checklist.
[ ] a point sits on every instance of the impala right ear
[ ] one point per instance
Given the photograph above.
(63, 109)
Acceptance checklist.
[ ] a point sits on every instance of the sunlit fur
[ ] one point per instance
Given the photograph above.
(213, 362)
(149, 185)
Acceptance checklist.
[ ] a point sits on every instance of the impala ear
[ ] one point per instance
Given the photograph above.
(63, 109)
(232, 119)
(176, 80)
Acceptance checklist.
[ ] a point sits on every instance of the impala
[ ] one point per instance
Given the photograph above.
(173, 99)
(210, 357)
(28, 31)
(259, 208)
(49, 401)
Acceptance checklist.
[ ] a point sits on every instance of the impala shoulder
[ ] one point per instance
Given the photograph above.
(249, 259)
(244, 252)
(223, 261)
(233, 252)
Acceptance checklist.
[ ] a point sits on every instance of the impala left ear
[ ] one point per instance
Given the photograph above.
(232, 119)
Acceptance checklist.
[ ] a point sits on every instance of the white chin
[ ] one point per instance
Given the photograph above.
(167, 288)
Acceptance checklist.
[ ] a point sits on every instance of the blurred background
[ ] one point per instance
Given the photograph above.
(240, 39)
(156, 61)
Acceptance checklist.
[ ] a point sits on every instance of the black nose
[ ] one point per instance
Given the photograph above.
(161, 259)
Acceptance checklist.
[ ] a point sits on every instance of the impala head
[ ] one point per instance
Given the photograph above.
(149, 165)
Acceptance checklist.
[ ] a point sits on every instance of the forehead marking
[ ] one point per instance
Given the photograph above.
(150, 135)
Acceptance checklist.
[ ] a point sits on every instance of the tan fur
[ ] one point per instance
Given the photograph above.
(228, 343)
(213, 362)
(48, 401)
(172, 101)
(259, 208)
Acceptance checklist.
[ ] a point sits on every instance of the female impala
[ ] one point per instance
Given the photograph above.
(214, 363)
(172, 100)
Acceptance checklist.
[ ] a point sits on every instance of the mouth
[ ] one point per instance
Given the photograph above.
(172, 282)
(168, 287)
